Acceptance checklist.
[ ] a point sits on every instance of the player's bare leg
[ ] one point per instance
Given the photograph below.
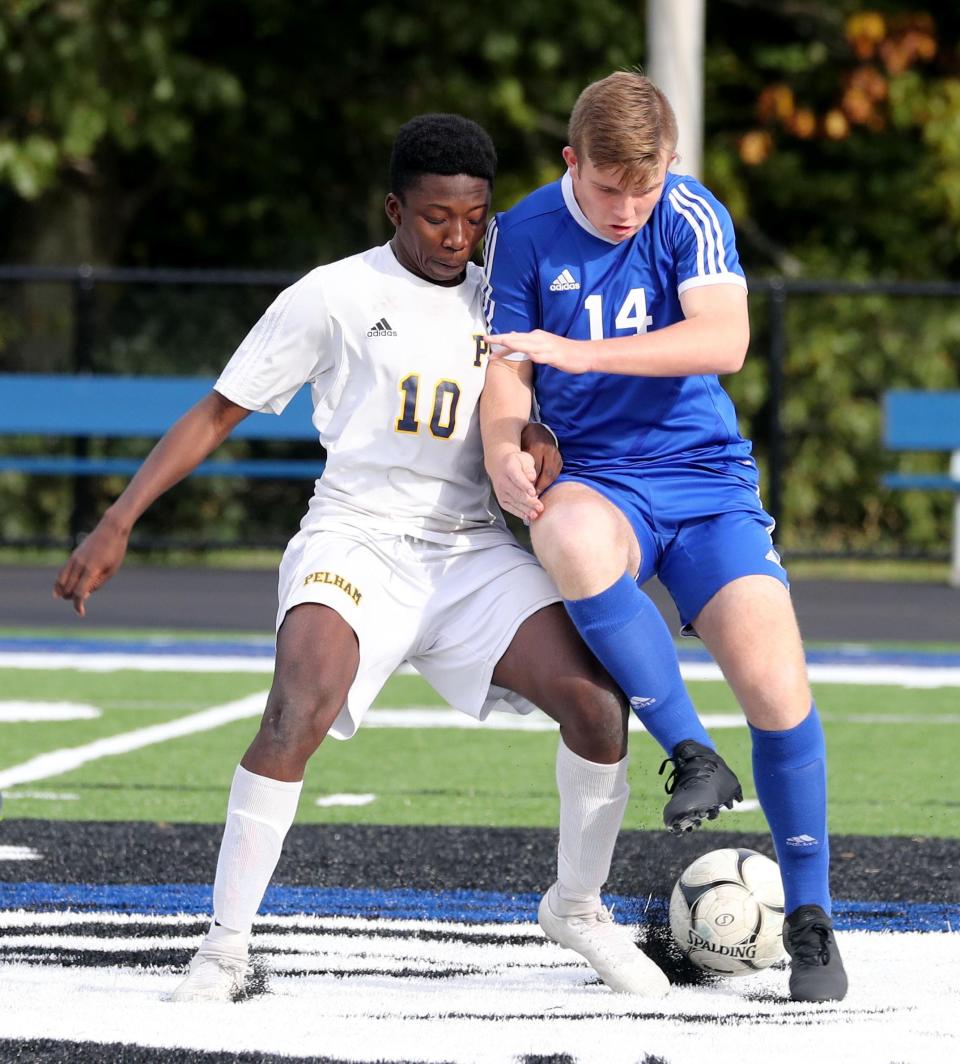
(548, 664)
(625, 630)
(750, 628)
(317, 658)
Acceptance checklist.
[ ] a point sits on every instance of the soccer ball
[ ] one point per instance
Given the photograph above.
(726, 912)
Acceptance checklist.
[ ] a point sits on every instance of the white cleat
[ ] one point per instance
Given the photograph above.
(608, 947)
(213, 977)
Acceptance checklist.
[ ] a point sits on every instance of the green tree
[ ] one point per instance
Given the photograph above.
(835, 135)
(95, 91)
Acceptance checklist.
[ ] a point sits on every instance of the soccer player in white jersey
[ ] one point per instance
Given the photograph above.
(402, 556)
(618, 298)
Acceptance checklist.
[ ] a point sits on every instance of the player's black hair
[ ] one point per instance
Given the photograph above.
(440, 144)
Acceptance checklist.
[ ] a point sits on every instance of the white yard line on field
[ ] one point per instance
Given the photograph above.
(57, 762)
(329, 800)
(21, 711)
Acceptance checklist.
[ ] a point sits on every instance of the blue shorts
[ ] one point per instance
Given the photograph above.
(699, 526)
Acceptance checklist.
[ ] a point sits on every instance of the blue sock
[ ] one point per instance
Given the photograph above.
(625, 631)
(790, 774)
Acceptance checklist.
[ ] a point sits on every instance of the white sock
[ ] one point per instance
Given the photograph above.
(593, 800)
(259, 815)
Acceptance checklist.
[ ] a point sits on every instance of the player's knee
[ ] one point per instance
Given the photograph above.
(294, 724)
(565, 537)
(594, 722)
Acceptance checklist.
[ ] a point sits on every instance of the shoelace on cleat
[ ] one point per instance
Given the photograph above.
(614, 947)
(809, 950)
(603, 915)
(695, 769)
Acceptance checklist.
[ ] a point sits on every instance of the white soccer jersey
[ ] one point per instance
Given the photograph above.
(395, 374)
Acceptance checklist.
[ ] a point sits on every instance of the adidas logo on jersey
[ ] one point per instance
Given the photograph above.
(381, 328)
(565, 282)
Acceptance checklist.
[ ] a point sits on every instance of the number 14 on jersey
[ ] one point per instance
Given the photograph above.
(631, 315)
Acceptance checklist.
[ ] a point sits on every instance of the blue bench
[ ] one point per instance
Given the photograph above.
(109, 407)
(927, 421)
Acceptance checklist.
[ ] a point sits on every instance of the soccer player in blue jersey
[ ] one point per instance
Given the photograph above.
(617, 298)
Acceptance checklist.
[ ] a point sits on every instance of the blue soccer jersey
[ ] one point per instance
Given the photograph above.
(549, 268)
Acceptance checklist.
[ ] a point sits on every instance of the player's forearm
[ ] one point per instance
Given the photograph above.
(692, 347)
(181, 449)
(504, 411)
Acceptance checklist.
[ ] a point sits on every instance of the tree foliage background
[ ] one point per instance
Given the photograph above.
(255, 134)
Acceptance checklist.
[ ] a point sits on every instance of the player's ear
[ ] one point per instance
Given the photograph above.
(394, 209)
(570, 157)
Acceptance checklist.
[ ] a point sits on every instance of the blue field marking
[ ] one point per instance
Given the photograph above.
(264, 648)
(453, 906)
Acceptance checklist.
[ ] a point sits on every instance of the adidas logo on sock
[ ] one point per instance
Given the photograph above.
(637, 703)
(801, 840)
(381, 328)
(565, 282)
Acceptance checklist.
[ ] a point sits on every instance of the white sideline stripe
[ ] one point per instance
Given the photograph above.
(114, 662)
(870, 675)
(918, 676)
(59, 761)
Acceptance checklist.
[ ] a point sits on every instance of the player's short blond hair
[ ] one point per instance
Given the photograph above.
(623, 121)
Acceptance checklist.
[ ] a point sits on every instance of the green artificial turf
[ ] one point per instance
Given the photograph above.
(891, 758)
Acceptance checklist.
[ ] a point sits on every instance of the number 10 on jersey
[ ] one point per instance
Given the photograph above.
(443, 420)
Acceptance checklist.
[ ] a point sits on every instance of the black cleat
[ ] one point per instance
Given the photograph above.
(816, 970)
(700, 784)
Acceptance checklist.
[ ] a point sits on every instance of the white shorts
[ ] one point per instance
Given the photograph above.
(451, 612)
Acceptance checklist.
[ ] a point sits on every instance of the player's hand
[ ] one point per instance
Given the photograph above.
(547, 349)
(541, 444)
(513, 483)
(91, 565)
